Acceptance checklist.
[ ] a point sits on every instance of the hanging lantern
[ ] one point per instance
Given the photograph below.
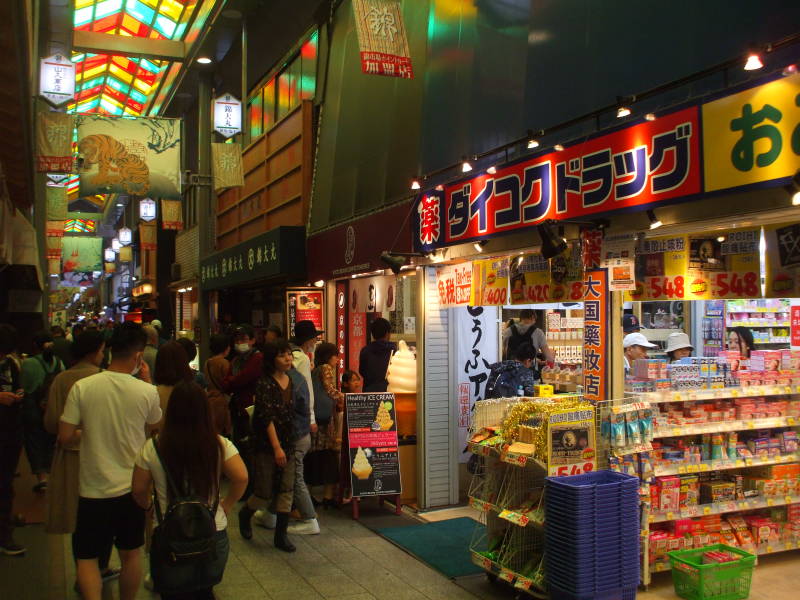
(125, 236)
(115, 245)
(147, 209)
(109, 255)
(126, 254)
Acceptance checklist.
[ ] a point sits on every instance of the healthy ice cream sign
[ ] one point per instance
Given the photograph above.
(372, 437)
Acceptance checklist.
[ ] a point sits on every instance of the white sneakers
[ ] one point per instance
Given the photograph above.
(307, 527)
(264, 518)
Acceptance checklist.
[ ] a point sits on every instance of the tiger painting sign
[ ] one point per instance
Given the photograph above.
(139, 157)
(382, 38)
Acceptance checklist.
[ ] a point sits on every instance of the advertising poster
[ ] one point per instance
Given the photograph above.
(530, 279)
(135, 156)
(566, 275)
(373, 294)
(454, 284)
(477, 351)
(372, 436)
(382, 38)
(661, 266)
(724, 265)
(782, 260)
(595, 334)
(618, 252)
(304, 305)
(81, 253)
(571, 446)
(490, 282)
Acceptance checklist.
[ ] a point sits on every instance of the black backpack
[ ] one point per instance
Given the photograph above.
(517, 339)
(42, 392)
(185, 535)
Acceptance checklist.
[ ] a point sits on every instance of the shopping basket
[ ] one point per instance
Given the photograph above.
(694, 580)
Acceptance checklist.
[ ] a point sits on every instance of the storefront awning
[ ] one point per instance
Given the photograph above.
(356, 247)
(278, 252)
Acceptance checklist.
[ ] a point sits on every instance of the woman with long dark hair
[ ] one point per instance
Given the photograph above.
(273, 437)
(196, 458)
(741, 339)
(172, 367)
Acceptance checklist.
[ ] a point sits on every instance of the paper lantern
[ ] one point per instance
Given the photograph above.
(147, 209)
(125, 236)
(110, 255)
(126, 254)
(115, 245)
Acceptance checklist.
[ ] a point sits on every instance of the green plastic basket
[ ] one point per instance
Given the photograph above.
(717, 581)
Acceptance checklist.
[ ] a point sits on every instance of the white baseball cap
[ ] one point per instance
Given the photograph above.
(678, 340)
(636, 339)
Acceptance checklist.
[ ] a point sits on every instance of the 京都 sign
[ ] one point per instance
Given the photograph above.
(227, 115)
(57, 79)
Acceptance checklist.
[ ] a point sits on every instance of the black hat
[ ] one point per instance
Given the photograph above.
(304, 331)
(630, 323)
(244, 329)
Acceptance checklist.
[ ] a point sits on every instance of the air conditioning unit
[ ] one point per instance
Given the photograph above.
(175, 271)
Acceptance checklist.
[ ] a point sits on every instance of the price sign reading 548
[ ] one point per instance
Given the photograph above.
(736, 285)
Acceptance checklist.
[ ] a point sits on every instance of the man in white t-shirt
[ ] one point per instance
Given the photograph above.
(109, 413)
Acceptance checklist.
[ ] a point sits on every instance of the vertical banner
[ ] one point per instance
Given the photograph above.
(147, 235)
(490, 282)
(226, 166)
(591, 248)
(382, 38)
(476, 343)
(372, 444)
(782, 260)
(172, 214)
(54, 246)
(54, 142)
(795, 326)
(454, 284)
(618, 254)
(139, 156)
(56, 198)
(357, 337)
(55, 228)
(341, 327)
(126, 254)
(304, 305)
(82, 254)
(595, 334)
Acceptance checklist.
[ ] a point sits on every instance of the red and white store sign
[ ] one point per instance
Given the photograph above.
(795, 326)
(341, 326)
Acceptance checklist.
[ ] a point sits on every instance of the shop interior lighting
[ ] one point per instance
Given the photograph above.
(415, 184)
(655, 222)
(650, 117)
(753, 62)
(491, 170)
(558, 148)
(552, 244)
(465, 166)
(479, 246)
(721, 238)
(319, 283)
(182, 291)
(204, 60)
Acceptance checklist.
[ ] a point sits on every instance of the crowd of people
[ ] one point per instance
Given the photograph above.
(134, 448)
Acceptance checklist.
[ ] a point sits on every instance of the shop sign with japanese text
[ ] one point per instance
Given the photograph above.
(382, 38)
(454, 284)
(645, 164)
(280, 251)
(571, 446)
(57, 79)
(595, 334)
(304, 305)
(341, 327)
(536, 279)
(752, 136)
(227, 115)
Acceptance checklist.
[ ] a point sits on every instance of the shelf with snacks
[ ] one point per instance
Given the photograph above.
(708, 466)
(762, 549)
(721, 508)
(725, 426)
(758, 324)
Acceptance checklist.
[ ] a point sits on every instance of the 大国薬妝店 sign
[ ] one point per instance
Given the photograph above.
(647, 163)
(752, 136)
(595, 334)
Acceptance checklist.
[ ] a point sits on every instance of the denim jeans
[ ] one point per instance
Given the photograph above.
(302, 497)
(39, 444)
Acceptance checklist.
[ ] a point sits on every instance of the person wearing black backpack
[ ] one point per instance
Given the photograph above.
(38, 373)
(184, 464)
(523, 331)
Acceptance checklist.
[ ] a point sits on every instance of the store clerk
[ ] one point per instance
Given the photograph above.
(635, 346)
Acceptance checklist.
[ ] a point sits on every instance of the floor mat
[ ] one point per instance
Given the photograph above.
(443, 545)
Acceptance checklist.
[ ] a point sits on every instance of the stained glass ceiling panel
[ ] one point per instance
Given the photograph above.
(122, 85)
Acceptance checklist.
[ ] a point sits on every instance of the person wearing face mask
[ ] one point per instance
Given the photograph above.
(38, 373)
(114, 410)
(240, 383)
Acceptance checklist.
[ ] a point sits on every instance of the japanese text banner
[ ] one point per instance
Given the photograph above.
(382, 38)
(782, 275)
(595, 334)
(752, 136)
(454, 284)
(661, 266)
(640, 165)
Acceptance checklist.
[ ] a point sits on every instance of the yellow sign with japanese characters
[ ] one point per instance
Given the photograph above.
(752, 136)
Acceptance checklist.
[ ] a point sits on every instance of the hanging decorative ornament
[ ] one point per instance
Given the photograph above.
(115, 245)
(125, 236)
(110, 255)
(147, 209)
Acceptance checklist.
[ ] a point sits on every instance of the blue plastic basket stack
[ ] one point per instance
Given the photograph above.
(592, 533)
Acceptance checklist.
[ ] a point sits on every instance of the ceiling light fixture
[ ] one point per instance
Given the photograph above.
(624, 105)
(721, 238)
(552, 245)
(753, 62)
(479, 246)
(650, 117)
(655, 222)
(415, 184)
(204, 60)
(319, 283)
(532, 141)
(491, 170)
(465, 166)
(794, 188)
(558, 148)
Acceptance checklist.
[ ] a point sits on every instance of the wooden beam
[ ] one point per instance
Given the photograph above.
(122, 45)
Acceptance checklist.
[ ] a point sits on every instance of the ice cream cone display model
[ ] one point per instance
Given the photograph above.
(361, 467)
(383, 418)
(402, 378)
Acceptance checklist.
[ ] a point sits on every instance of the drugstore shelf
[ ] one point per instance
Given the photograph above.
(518, 460)
(722, 393)
(523, 584)
(760, 551)
(782, 325)
(721, 508)
(724, 465)
(725, 426)
(512, 516)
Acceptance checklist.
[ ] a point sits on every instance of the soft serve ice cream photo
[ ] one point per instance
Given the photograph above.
(402, 378)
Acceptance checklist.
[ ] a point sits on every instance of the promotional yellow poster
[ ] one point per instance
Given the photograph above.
(571, 446)
(530, 279)
(782, 277)
(724, 264)
(661, 267)
(566, 275)
(748, 137)
(490, 282)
